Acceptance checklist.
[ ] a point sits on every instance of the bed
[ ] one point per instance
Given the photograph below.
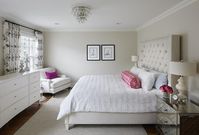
(106, 99)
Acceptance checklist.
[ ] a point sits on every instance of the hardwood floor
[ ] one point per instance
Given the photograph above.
(18, 121)
(14, 124)
(151, 129)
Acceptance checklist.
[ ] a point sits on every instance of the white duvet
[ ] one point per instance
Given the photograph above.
(106, 93)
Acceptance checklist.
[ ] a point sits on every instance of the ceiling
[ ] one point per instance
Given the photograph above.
(105, 14)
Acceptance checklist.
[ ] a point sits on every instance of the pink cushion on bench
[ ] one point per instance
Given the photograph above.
(51, 75)
(131, 79)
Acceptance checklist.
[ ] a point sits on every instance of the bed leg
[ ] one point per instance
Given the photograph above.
(67, 125)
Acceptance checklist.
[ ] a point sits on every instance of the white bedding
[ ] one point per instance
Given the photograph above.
(107, 93)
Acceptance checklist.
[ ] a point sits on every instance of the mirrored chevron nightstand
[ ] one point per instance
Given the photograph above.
(177, 119)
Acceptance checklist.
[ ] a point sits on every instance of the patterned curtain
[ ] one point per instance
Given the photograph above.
(11, 34)
(38, 59)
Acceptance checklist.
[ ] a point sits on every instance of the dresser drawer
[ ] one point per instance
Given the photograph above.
(13, 110)
(34, 97)
(35, 87)
(13, 97)
(167, 119)
(164, 107)
(34, 77)
(12, 85)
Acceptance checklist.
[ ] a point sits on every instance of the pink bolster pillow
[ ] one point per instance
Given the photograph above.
(131, 79)
(51, 75)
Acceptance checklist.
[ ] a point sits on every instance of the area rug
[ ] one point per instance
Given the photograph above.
(44, 123)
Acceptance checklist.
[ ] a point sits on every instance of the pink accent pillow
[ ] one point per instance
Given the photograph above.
(131, 79)
(51, 75)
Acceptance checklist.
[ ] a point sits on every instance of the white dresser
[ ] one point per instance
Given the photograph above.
(17, 92)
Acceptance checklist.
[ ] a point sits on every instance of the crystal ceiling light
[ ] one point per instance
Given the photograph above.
(81, 13)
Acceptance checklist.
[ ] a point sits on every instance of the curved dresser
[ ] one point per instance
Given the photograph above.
(17, 92)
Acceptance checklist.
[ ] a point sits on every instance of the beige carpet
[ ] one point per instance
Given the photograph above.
(44, 123)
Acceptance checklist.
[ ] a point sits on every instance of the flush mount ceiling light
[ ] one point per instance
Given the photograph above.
(81, 13)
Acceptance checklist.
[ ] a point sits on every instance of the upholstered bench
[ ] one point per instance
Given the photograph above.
(54, 85)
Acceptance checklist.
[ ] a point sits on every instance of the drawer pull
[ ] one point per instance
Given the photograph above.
(166, 110)
(165, 121)
(15, 108)
(15, 84)
(15, 96)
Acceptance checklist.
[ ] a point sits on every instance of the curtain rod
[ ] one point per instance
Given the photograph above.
(23, 26)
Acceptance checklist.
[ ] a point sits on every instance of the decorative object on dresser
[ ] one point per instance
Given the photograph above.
(108, 52)
(182, 69)
(134, 59)
(93, 52)
(167, 90)
(18, 91)
(53, 85)
(177, 120)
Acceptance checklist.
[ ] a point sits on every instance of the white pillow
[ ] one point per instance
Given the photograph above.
(160, 79)
(136, 70)
(147, 80)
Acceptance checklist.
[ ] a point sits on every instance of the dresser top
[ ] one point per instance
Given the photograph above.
(15, 75)
(183, 109)
(9, 76)
(188, 108)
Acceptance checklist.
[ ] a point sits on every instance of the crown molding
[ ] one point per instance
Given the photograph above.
(88, 30)
(168, 12)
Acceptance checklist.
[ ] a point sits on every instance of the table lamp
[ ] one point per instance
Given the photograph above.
(182, 69)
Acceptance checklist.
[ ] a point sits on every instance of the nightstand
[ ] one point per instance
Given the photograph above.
(177, 120)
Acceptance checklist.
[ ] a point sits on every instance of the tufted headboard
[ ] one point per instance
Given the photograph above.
(157, 53)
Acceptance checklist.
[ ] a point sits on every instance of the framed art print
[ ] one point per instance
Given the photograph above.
(108, 52)
(93, 52)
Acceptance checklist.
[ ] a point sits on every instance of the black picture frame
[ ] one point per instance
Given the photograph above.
(108, 52)
(93, 52)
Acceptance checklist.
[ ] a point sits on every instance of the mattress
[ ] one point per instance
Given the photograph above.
(107, 93)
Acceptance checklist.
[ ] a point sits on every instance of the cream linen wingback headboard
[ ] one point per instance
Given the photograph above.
(157, 53)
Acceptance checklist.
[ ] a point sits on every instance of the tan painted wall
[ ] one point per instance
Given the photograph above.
(67, 52)
(1, 46)
(186, 23)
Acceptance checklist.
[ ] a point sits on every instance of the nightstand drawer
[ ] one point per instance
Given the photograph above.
(167, 119)
(164, 107)
(169, 130)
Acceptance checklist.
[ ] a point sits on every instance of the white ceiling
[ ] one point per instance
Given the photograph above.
(105, 14)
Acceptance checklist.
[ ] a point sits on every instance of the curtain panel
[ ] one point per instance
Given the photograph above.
(11, 34)
(39, 55)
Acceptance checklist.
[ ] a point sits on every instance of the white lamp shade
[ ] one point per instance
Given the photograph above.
(134, 58)
(182, 68)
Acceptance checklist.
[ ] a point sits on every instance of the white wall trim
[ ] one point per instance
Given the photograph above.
(168, 12)
(87, 30)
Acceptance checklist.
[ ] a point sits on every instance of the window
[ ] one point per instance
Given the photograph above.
(23, 48)
(28, 52)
